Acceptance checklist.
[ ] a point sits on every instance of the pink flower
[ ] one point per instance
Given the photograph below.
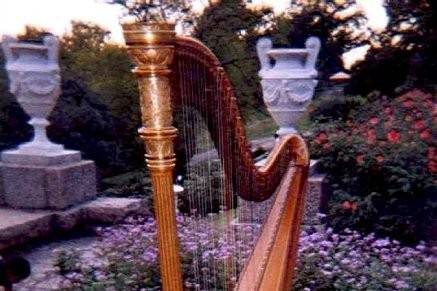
(388, 110)
(374, 120)
(425, 134)
(419, 124)
(407, 103)
(432, 166)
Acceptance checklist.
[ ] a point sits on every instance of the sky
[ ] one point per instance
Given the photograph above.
(56, 16)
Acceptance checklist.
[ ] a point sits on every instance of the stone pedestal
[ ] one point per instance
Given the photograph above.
(51, 180)
(40, 174)
(315, 199)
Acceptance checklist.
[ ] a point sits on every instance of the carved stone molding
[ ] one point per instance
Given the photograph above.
(288, 92)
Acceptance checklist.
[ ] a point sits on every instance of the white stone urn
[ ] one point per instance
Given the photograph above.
(33, 72)
(288, 79)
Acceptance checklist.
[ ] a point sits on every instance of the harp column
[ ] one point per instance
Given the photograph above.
(151, 47)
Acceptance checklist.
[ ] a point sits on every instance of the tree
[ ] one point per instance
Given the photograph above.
(229, 29)
(158, 10)
(322, 19)
(106, 70)
(406, 55)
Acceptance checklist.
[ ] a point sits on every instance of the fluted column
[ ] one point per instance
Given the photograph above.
(151, 47)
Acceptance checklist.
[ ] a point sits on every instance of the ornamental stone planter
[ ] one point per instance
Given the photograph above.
(41, 174)
(288, 79)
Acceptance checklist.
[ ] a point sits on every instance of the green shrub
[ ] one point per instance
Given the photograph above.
(382, 164)
(134, 183)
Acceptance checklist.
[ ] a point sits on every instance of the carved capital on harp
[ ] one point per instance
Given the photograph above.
(152, 59)
(150, 46)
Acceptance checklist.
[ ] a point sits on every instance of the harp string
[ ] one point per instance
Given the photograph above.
(200, 126)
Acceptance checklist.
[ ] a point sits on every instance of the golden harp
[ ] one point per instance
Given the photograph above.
(176, 71)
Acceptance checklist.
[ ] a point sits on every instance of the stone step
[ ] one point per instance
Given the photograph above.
(18, 226)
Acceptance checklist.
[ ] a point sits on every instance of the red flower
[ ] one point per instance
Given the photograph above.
(346, 204)
(393, 135)
(425, 134)
(360, 158)
(379, 158)
(349, 205)
(419, 124)
(373, 120)
(432, 166)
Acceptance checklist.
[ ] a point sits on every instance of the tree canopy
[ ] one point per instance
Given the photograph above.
(406, 55)
(228, 28)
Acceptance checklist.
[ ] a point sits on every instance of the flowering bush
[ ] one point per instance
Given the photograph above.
(382, 164)
(350, 261)
(125, 258)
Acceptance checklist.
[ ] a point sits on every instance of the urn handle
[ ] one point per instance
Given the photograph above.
(52, 44)
(312, 44)
(6, 46)
(263, 45)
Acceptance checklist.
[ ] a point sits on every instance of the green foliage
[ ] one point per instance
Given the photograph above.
(153, 10)
(196, 199)
(327, 108)
(228, 28)
(66, 261)
(134, 183)
(86, 55)
(316, 18)
(87, 58)
(410, 62)
(259, 125)
(382, 163)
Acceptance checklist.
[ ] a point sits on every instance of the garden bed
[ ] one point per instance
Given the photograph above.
(124, 257)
